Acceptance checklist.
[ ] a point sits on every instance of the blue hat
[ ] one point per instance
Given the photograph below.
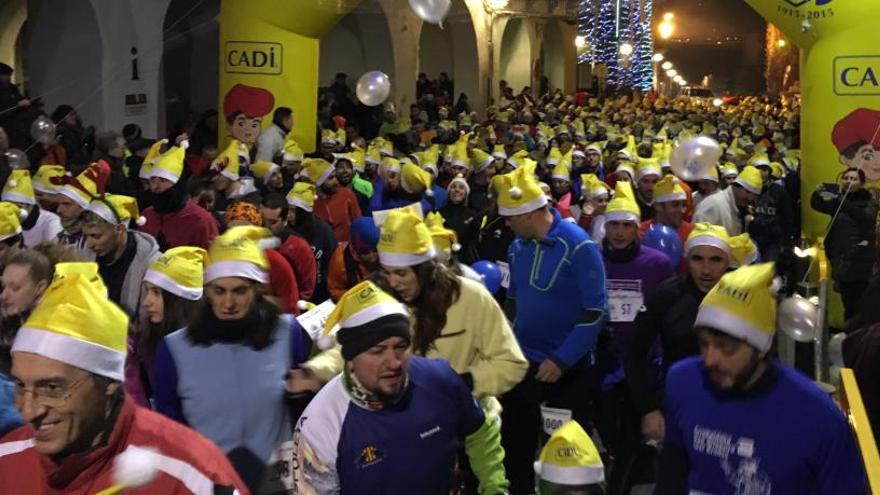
(364, 234)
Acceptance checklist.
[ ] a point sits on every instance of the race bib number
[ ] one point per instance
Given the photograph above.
(505, 273)
(280, 473)
(625, 299)
(313, 320)
(552, 418)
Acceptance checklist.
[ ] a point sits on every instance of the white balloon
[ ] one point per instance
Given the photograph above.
(797, 318)
(43, 130)
(373, 88)
(433, 11)
(835, 349)
(694, 158)
(17, 159)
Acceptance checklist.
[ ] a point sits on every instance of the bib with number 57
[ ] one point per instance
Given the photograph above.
(625, 299)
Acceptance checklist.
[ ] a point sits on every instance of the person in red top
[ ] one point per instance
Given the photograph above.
(670, 204)
(295, 248)
(337, 206)
(174, 219)
(83, 435)
(282, 282)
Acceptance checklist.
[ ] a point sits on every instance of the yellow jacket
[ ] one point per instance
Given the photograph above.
(477, 339)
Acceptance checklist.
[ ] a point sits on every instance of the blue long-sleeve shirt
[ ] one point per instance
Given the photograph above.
(556, 282)
(10, 418)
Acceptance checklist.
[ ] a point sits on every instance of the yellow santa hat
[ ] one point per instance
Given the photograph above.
(43, 179)
(743, 250)
(88, 269)
(180, 271)
(516, 160)
(238, 252)
(263, 170)
(316, 170)
(710, 175)
(480, 160)
(328, 136)
(554, 157)
(777, 170)
(499, 152)
(169, 165)
(10, 220)
(302, 195)
(228, 162)
(669, 189)
(742, 304)
(404, 240)
(561, 172)
(729, 169)
(626, 167)
(707, 234)
(18, 188)
(623, 208)
(116, 209)
(648, 166)
(570, 458)
(389, 164)
(445, 240)
(518, 191)
(759, 159)
(750, 179)
(460, 156)
(363, 304)
(592, 187)
(428, 159)
(75, 323)
(87, 185)
(292, 151)
(415, 180)
(356, 156)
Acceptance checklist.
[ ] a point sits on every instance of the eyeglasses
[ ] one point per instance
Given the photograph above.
(49, 394)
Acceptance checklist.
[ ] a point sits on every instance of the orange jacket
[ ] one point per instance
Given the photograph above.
(338, 276)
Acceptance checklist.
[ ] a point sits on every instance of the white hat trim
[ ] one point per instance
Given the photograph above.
(675, 196)
(724, 321)
(290, 157)
(99, 208)
(599, 193)
(274, 168)
(235, 268)
(163, 174)
(485, 163)
(748, 187)
(17, 232)
(82, 354)
(532, 205)
(405, 259)
(570, 475)
(579, 153)
(324, 175)
(74, 194)
(648, 171)
(561, 177)
(17, 198)
(707, 240)
(621, 216)
(165, 282)
(300, 204)
(229, 175)
(39, 187)
(374, 312)
(500, 155)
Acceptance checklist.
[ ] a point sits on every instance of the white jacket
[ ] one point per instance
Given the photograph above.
(46, 229)
(720, 209)
(270, 143)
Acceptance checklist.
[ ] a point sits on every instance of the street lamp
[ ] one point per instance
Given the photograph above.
(666, 28)
(658, 57)
(668, 16)
(666, 65)
(672, 73)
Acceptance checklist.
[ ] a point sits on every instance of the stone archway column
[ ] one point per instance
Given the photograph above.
(405, 29)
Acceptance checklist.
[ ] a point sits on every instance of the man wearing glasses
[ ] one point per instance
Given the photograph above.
(81, 433)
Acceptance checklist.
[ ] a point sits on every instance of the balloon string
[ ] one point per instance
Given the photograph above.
(837, 212)
(123, 68)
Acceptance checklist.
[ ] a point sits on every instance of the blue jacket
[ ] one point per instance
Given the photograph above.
(10, 419)
(229, 392)
(555, 282)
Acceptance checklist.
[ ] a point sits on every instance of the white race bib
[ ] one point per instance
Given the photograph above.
(625, 299)
(505, 273)
(280, 472)
(552, 418)
(313, 320)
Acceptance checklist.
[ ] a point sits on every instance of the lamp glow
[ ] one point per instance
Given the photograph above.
(626, 49)
(580, 41)
(666, 65)
(658, 57)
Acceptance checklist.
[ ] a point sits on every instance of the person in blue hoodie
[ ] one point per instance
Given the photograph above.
(739, 422)
(557, 296)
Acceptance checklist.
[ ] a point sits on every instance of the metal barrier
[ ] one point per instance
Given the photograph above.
(850, 400)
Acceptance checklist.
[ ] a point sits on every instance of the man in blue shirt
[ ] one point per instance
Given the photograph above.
(391, 423)
(738, 422)
(557, 294)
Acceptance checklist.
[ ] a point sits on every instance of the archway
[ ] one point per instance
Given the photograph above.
(13, 16)
(452, 50)
(553, 57)
(190, 61)
(516, 55)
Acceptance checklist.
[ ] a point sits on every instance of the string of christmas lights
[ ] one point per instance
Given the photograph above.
(607, 24)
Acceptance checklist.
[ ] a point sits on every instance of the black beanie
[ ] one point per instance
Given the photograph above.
(355, 340)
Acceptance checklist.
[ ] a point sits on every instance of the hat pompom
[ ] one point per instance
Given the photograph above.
(269, 242)
(326, 341)
(776, 286)
(22, 214)
(135, 467)
(184, 144)
(141, 221)
(515, 192)
(429, 193)
(456, 247)
(13, 183)
(304, 305)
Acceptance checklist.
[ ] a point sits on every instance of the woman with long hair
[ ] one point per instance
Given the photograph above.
(225, 373)
(172, 293)
(454, 318)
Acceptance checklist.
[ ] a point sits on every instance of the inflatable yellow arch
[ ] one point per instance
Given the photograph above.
(840, 89)
(269, 58)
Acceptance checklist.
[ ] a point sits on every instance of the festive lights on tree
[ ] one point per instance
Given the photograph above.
(608, 24)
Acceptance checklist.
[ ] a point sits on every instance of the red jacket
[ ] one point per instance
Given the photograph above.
(282, 282)
(191, 226)
(297, 251)
(188, 463)
(339, 210)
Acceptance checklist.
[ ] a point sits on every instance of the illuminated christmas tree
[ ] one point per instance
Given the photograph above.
(608, 24)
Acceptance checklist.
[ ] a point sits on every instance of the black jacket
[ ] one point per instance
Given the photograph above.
(669, 314)
(465, 221)
(851, 242)
(773, 226)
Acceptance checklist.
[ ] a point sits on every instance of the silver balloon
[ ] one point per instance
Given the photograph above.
(835, 349)
(694, 158)
(17, 159)
(373, 88)
(797, 318)
(433, 11)
(43, 130)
